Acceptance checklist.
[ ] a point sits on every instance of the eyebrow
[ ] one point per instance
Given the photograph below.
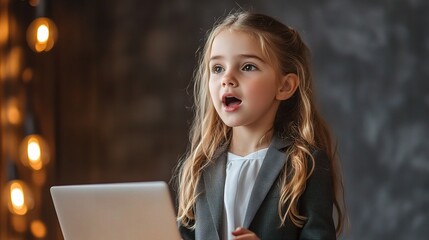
(216, 57)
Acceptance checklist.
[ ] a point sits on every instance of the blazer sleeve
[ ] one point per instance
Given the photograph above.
(316, 203)
(186, 233)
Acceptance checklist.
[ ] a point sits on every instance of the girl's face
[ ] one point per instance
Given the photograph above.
(242, 84)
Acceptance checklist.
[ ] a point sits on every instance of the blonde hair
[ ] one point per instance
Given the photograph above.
(297, 118)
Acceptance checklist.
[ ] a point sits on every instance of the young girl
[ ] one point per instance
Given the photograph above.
(261, 164)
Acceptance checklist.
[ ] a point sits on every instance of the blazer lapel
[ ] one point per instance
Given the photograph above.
(214, 180)
(270, 169)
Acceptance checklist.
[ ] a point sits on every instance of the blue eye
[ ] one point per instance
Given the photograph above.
(217, 69)
(249, 67)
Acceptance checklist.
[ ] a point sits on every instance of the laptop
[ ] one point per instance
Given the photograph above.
(115, 211)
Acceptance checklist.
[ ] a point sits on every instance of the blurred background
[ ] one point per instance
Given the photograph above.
(98, 91)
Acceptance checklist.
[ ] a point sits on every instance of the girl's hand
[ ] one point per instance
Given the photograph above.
(244, 234)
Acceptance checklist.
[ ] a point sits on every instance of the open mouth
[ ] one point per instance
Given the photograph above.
(231, 101)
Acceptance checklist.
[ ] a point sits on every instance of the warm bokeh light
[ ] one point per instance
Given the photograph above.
(13, 113)
(38, 229)
(34, 152)
(4, 26)
(17, 196)
(11, 63)
(41, 34)
(20, 197)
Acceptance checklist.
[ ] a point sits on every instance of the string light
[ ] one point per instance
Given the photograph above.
(20, 198)
(12, 112)
(38, 229)
(34, 152)
(41, 34)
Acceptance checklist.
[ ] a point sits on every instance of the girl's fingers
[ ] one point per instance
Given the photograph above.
(243, 233)
(240, 231)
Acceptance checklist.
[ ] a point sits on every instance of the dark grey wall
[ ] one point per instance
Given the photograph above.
(371, 72)
(123, 68)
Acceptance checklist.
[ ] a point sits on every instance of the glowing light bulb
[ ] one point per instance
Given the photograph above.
(34, 152)
(20, 197)
(17, 196)
(42, 33)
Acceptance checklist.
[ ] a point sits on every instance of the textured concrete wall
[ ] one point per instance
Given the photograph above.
(123, 69)
(371, 72)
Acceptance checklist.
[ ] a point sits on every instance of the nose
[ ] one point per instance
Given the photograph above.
(229, 80)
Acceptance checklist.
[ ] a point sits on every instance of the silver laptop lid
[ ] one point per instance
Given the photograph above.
(115, 211)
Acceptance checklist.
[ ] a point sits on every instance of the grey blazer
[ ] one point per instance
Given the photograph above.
(262, 217)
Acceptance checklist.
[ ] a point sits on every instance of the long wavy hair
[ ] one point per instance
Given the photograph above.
(296, 118)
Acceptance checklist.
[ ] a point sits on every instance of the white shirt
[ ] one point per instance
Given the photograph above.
(241, 174)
